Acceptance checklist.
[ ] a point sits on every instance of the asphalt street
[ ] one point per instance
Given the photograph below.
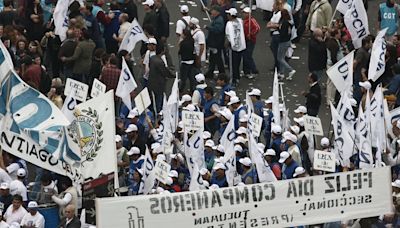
(292, 90)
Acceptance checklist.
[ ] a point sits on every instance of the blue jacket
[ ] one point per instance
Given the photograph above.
(288, 171)
(216, 33)
(221, 183)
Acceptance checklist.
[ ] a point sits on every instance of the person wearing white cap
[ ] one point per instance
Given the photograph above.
(219, 151)
(255, 95)
(5, 196)
(205, 174)
(270, 158)
(135, 182)
(276, 137)
(209, 154)
(33, 218)
(18, 187)
(122, 160)
(289, 165)
(210, 110)
(234, 32)
(199, 42)
(133, 139)
(198, 97)
(150, 52)
(290, 140)
(183, 22)
(251, 29)
(224, 116)
(299, 172)
(300, 111)
(150, 16)
(185, 100)
(238, 110)
(218, 177)
(136, 161)
(325, 144)
(249, 174)
(242, 131)
(175, 185)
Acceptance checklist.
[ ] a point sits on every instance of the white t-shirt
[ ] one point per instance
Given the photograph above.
(235, 34)
(15, 216)
(17, 187)
(180, 25)
(276, 17)
(123, 29)
(199, 38)
(12, 170)
(4, 224)
(146, 61)
(36, 220)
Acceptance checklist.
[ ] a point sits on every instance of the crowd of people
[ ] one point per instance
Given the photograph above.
(209, 69)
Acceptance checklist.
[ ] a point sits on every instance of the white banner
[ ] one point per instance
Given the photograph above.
(356, 21)
(192, 121)
(6, 64)
(126, 85)
(343, 6)
(81, 89)
(324, 161)
(132, 36)
(69, 106)
(288, 203)
(142, 100)
(98, 88)
(378, 61)
(341, 74)
(313, 125)
(161, 171)
(229, 159)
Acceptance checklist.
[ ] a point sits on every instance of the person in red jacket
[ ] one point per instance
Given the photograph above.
(31, 73)
(251, 29)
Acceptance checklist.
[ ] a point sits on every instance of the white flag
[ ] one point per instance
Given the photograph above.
(69, 106)
(377, 118)
(343, 6)
(388, 121)
(148, 174)
(264, 171)
(378, 61)
(173, 104)
(364, 131)
(341, 74)
(126, 85)
(194, 150)
(60, 16)
(196, 181)
(6, 64)
(229, 158)
(275, 102)
(133, 35)
(345, 110)
(356, 21)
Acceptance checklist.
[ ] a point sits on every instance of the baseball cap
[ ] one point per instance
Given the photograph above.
(185, 98)
(148, 2)
(270, 152)
(325, 141)
(184, 9)
(220, 148)
(366, 85)
(276, 129)
(255, 92)
(245, 161)
(298, 171)
(295, 129)
(4, 185)
(190, 107)
(131, 128)
(289, 136)
(118, 138)
(247, 10)
(231, 11)
(396, 183)
(173, 173)
(219, 165)
(299, 121)
(133, 150)
(203, 171)
(209, 143)
(21, 172)
(226, 113)
(241, 130)
(300, 109)
(133, 113)
(269, 100)
(161, 157)
(244, 119)
(234, 100)
(200, 77)
(230, 93)
(206, 135)
(239, 139)
(32, 205)
(152, 41)
(194, 21)
(284, 155)
(158, 150)
(238, 148)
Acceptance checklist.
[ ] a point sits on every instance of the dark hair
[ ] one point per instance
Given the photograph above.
(285, 15)
(89, 7)
(149, 29)
(17, 197)
(366, 40)
(334, 32)
(159, 48)
(113, 60)
(99, 52)
(8, 3)
(46, 177)
(85, 34)
(27, 60)
(209, 90)
(223, 77)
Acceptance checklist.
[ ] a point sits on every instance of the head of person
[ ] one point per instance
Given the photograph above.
(137, 175)
(208, 93)
(312, 77)
(134, 153)
(4, 189)
(269, 155)
(87, 10)
(318, 34)
(255, 95)
(148, 5)
(123, 17)
(21, 173)
(17, 201)
(222, 80)
(194, 23)
(285, 158)
(367, 42)
(32, 207)
(219, 170)
(285, 16)
(234, 103)
(8, 3)
(33, 47)
(246, 12)
(69, 211)
(132, 131)
(45, 179)
(158, 3)
(215, 11)
(118, 142)
(184, 9)
(246, 163)
(152, 44)
(231, 14)
(335, 34)
(37, 60)
(65, 184)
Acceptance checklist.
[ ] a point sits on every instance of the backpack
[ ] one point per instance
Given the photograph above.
(45, 82)
(187, 27)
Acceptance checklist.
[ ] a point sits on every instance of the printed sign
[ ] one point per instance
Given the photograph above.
(255, 124)
(313, 125)
(324, 161)
(288, 203)
(192, 121)
(81, 89)
(161, 171)
(97, 88)
(142, 100)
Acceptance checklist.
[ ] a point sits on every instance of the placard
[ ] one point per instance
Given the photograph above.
(313, 125)
(161, 170)
(142, 100)
(97, 88)
(192, 121)
(324, 161)
(288, 203)
(81, 89)
(255, 124)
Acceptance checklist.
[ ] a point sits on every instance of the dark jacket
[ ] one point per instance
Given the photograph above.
(317, 55)
(158, 74)
(216, 33)
(186, 49)
(82, 57)
(130, 8)
(67, 49)
(150, 18)
(313, 98)
(75, 223)
(163, 22)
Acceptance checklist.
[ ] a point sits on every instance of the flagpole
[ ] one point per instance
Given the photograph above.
(205, 9)
(333, 16)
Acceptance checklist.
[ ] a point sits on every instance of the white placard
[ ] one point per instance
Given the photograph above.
(192, 121)
(288, 203)
(98, 88)
(256, 123)
(324, 161)
(161, 171)
(313, 125)
(81, 89)
(142, 100)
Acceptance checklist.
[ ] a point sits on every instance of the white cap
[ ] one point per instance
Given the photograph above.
(325, 141)
(173, 173)
(241, 130)
(300, 109)
(206, 135)
(194, 21)
(133, 113)
(154, 145)
(200, 77)
(213, 187)
(148, 2)
(32, 204)
(396, 183)
(299, 121)
(169, 181)
(245, 161)
(226, 113)
(4, 185)
(219, 165)
(238, 148)
(158, 150)
(184, 9)
(244, 119)
(234, 100)
(366, 85)
(230, 93)
(270, 152)
(298, 171)
(152, 41)
(220, 148)
(269, 100)
(185, 98)
(239, 139)
(276, 129)
(21, 172)
(209, 143)
(255, 92)
(131, 128)
(118, 138)
(231, 11)
(133, 150)
(290, 137)
(203, 171)
(190, 107)
(177, 156)
(295, 129)
(284, 155)
(180, 124)
(247, 10)
(161, 157)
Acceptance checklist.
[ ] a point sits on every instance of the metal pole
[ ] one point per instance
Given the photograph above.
(205, 9)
